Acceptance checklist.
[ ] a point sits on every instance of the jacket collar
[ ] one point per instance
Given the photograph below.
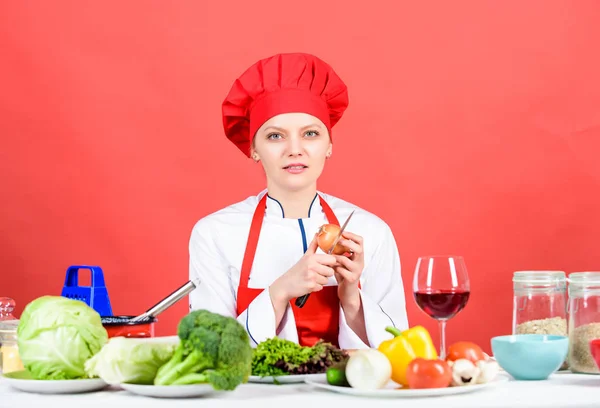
(275, 209)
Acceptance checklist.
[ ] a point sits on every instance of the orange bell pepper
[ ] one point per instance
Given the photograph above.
(405, 347)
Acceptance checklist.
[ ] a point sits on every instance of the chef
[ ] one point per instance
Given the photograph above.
(254, 258)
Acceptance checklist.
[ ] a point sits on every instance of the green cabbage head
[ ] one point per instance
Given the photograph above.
(57, 335)
(131, 360)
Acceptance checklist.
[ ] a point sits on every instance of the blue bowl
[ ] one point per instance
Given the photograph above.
(530, 356)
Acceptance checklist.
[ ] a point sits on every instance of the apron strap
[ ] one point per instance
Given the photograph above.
(329, 212)
(253, 235)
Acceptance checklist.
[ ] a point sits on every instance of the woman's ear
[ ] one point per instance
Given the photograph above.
(253, 153)
(330, 151)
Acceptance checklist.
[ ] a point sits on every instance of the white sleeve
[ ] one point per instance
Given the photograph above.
(382, 295)
(217, 293)
(214, 291)
(259, 321)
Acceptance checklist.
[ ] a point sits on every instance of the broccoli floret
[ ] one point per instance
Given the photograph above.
(234, 362)
(214, 349)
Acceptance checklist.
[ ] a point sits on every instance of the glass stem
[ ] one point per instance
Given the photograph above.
(442, 324)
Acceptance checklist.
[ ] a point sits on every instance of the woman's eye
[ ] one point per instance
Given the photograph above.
(274, 136)
(312, 133)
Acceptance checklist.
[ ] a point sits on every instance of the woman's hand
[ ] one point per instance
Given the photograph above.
(349, 269)
(308, 275)
(347, 273)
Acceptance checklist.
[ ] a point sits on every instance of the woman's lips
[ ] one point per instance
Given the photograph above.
(295, 168)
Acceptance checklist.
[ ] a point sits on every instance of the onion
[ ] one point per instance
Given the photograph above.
(326, 236)
(368, 369)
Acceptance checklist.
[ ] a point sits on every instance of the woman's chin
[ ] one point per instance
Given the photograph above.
(297, 183)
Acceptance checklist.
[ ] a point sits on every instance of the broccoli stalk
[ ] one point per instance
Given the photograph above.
(214, 349)
(181, 366)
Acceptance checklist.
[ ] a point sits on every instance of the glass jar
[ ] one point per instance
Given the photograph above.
(9, 351)
(584, 320)
(540, 302)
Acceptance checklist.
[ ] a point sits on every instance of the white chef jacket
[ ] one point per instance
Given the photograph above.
(218, 242)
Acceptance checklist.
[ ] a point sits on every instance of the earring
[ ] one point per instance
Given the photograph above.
(255, 157)
(328, 155)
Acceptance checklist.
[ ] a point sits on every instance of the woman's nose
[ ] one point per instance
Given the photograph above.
(295, 146)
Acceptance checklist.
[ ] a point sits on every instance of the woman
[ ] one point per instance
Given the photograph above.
(254, 258)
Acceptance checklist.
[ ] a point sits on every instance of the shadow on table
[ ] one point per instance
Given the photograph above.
(265, 392)
(584, 381)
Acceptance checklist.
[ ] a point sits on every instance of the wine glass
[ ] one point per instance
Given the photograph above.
(441, 289)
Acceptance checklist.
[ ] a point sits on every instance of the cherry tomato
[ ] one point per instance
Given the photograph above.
(423, 373)
(326, 236)
(465, 349)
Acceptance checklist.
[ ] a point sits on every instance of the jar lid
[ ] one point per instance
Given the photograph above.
(539, 276)
(588, 277)
(7, 305)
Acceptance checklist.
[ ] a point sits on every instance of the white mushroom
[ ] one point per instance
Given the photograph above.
(488, 370)
(464, 372)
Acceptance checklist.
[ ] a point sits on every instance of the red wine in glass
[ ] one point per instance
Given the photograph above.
(441, 290)
(442, 304)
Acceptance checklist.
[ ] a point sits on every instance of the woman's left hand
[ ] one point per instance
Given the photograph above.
(349, 268)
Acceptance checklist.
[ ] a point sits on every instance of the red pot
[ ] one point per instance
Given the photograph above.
(122, 326)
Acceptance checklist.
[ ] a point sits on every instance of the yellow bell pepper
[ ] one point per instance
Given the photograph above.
(405, 347)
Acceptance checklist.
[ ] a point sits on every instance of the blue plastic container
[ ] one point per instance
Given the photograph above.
(95, 296)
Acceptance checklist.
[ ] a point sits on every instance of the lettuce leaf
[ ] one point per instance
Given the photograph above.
(278, 357)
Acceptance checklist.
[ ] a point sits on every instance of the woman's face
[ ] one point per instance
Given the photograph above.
(292, 148)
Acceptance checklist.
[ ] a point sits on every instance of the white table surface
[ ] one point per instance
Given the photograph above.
(560, 390)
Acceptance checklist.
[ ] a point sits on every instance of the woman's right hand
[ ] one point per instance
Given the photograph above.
(308, 275)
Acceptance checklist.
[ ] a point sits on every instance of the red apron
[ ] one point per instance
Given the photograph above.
(319, 318)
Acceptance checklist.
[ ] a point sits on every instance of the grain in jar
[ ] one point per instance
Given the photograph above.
(584, 320)
(540, 303)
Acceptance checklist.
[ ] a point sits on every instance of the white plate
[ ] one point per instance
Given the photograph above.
(393, 390)
(170, 391)
(23, 381)
(287, 379)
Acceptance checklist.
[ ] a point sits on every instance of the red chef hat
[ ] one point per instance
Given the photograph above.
(283, 83)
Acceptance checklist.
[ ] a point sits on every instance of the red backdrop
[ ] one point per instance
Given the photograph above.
(472, 130)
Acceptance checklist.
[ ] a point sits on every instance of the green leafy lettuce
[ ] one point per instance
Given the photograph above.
(278, 357)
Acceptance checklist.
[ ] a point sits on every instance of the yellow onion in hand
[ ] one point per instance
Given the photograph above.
(326, 236)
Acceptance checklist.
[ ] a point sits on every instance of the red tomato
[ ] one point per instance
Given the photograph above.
(422, 373)
(465, 349)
